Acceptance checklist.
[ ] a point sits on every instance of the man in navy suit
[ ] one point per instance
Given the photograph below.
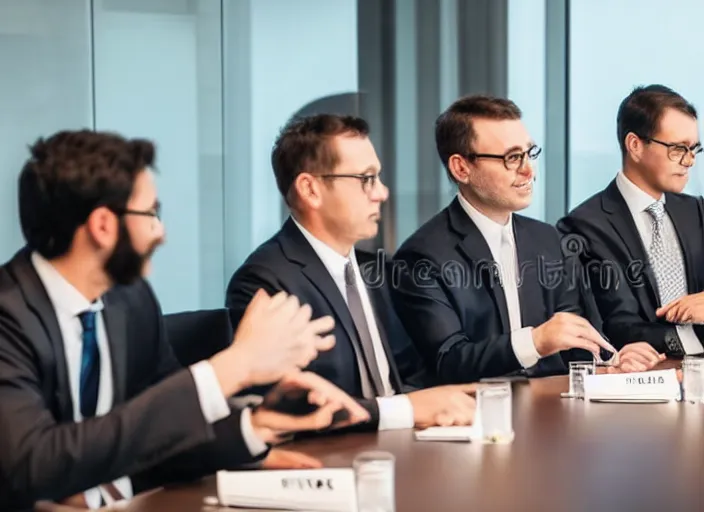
(484, 291)
(641, 238)
(327, 170)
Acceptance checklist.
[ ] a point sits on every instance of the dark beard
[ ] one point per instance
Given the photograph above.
(125, 264)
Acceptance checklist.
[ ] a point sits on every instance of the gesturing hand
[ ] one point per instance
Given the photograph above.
(304, 401)
(276, 336)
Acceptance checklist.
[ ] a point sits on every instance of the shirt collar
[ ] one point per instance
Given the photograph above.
(333, 260)
(636, 199)
(62, 294)
(491, 231)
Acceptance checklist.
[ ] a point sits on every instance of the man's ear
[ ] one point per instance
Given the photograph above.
(459, 168)
(102, 228)
(634, 146)
(307, 191)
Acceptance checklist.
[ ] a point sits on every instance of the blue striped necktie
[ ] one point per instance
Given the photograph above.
(90, 365)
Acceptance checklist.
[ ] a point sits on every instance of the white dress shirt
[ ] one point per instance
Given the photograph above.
(638, 201)
(395, 411)
(68, 303)
(502, 245)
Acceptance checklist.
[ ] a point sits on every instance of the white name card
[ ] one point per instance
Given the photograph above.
(643, 386)
(455, 433)
(329, 490)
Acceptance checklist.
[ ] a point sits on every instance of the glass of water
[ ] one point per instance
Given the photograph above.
(375, 477)
(578, 371)
(494, 404)
(693, 379)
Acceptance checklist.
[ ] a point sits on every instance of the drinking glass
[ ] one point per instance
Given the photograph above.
(693, 379)
(374, 473)
(578, 371)
(494, 404)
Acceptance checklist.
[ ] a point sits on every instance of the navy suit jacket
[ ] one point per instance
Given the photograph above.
(447, 293)
(155, 432)
(604, 235)
(287, 262)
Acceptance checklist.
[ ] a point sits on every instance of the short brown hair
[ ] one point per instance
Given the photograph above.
(304, 144)
(641, 111)
(454, 129)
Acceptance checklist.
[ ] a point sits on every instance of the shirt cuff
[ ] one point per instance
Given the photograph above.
(213, 403)
(524, 348)
(255, 445)
(690, 341)
(395, 412)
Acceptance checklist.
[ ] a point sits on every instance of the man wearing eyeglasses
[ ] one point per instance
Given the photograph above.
(327, 170)
(641, 238)
(94, 406)
(483, 291)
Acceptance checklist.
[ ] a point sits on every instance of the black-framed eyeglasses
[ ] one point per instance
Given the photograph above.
(368, 180)
(154, 212)
(513, 160)
(677, 152)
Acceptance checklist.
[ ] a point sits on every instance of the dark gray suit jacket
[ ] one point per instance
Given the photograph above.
(155, 432)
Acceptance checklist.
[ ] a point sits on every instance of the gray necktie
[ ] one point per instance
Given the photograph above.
(354, 302)
(665, 258)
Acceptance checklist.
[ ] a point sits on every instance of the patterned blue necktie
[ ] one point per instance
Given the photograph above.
(90, 365)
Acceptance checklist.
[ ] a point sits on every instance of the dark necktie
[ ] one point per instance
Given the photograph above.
(90, 365)
(354, 303)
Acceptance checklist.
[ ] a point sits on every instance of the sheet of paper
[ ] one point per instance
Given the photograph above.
(466, 434)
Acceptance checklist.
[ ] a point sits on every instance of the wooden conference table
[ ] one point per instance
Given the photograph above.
(568, 455)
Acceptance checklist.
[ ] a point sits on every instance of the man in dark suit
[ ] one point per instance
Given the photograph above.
(93, 405)
(641, 239)
(327, 170)
(483, 291)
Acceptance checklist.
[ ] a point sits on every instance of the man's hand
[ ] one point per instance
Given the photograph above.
(73, 504)
(687, 309)
(276, 336)
(565, 331)
(324, 398)
(637, 357)
(278, 458)
(443, 406)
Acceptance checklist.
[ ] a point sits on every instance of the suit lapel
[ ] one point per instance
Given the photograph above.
(677, 211)
(116, 329)
(482, 265)
(620, 218)
(38, 301)
(297, 249)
